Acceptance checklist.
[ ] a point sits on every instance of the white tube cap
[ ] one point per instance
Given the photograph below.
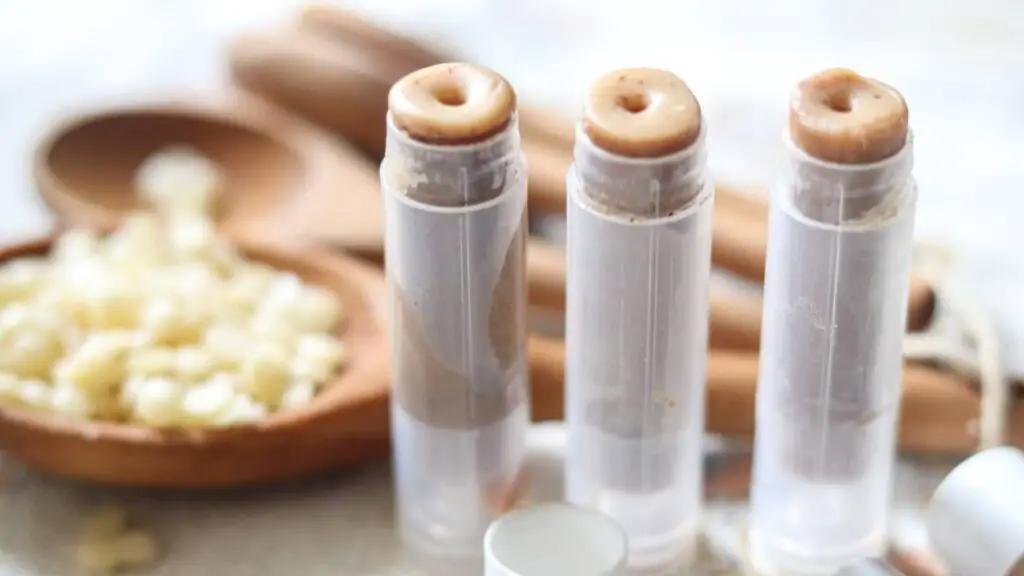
(555, 540)
(976, 516)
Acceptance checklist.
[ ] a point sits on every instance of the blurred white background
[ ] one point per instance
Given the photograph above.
(957, 63)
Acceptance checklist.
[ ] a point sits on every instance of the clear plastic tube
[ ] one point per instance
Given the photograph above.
(835, 297)
(455, 253)
(638, 248)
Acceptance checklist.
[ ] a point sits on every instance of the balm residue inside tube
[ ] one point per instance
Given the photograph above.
(455, 200)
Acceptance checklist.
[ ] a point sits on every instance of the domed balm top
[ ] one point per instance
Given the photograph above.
(842, 117)
(641, 113)
(452, 104)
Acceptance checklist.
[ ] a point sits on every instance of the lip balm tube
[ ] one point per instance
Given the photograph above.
(555, 540)
(638, 268)
(976, 516)
(835, 296)
(454, 187)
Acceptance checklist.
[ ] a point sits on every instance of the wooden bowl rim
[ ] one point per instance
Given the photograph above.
(365, 379)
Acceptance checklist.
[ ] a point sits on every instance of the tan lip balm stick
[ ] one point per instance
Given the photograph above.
(639, 258)
(835, 297)
(454, 183)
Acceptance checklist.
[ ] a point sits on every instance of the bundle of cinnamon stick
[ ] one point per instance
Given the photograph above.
(334, 69)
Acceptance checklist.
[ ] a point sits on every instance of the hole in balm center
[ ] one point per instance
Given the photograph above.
(450, 94)
(634, 102)
(840, 102)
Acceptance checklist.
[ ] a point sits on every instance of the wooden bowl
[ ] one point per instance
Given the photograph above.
(346, 423)
(282, 179)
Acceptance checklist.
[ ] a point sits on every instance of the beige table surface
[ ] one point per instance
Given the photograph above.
(338, 525)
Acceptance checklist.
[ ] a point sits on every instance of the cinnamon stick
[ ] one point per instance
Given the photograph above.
(739, 229)
(734, 323)
(939, 410)
(740, 244)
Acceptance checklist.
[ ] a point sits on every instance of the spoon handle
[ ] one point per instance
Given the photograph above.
(353, 28)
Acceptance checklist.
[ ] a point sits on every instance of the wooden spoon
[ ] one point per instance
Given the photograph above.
(282, 179)
(328, 83)
(939, 410)
(341, 427)
(352, 29)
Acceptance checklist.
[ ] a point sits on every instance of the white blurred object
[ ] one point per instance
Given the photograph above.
(545, 461)
(555, 539)
(976, 517)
